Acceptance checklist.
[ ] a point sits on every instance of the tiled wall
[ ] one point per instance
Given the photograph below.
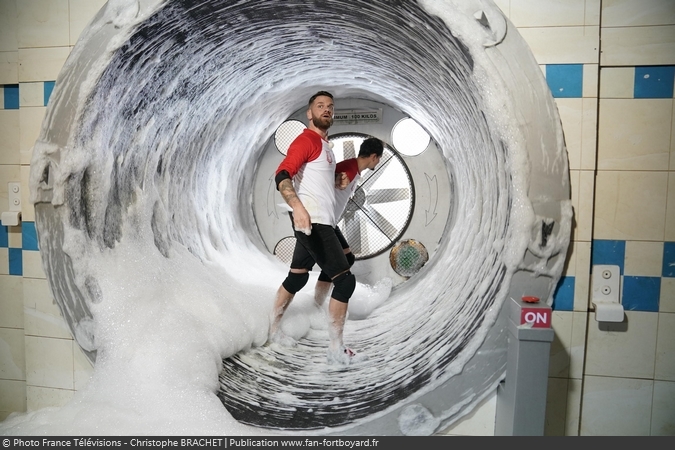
(610, 66)
(39, 365)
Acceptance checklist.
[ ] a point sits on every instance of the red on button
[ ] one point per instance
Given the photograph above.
(538, 317)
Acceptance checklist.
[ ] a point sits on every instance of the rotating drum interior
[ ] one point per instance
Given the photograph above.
(162, 131)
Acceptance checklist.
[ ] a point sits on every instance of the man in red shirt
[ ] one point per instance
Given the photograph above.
(307, 181)
(370, 153)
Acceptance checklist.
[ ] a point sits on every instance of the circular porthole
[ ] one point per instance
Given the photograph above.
(408, 257)
(284, 249)
(409, 138)
(286, 133)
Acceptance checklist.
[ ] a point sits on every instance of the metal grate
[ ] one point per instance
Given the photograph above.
(381, 208)
(284, 250)
(286, 133)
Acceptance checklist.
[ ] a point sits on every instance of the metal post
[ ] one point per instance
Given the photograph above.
(521, 397)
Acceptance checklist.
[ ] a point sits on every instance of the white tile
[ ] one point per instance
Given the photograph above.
(592, 13)
(81, 13)
(49, 362)
(574, 391)
(665, 348)
(42, 23)
(12, 358)
(31, 94)
(14, 236)
(617, 82)
(30, 126)
(42, 397)
(32, 265)
(9, 130)
(590, 81)
(582, 276)
(638, 46)
(584, 216)
(27, 208)
(663, 412)
(670, 205)
(479, 422)
(570, 268)
(4, 261)
(574, 198)
(563, 45)
(622, 349)
(630, 205)
(582, 183)
(616, 407)
(667, 301)
(589, 133)
(672, 141)
(643, 259)
(554, 13)
(634, 134)
(11, 303)
(8, 27)
(571, 116)
(578, 345)
(621, 13)
(9, 67)
(559, 356)
(41, 64)
(556, 407)
(12, 397)
(8, 173)
(42, 315)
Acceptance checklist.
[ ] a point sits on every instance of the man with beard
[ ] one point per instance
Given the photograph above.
(307, 180)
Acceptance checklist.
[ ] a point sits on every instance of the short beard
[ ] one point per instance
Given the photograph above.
(321, 123)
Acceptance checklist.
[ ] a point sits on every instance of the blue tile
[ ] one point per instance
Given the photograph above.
(654, 82)
(11, 96)
(4, 237)
(608, 252)
(565, 80)
(15, 261)
(641, 293)
(563, 297)
(668, 259)
(49, 87)
(29, 236)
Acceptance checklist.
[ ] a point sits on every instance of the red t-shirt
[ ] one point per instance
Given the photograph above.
(311, 164)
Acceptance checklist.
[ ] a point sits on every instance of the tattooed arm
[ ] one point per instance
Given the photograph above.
(301, 218)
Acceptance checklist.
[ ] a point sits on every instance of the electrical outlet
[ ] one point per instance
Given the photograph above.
(606, 284)
(14, 196)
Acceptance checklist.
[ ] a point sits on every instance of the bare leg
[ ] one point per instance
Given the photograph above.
(337, 312)
(281, 302)
(321, 291)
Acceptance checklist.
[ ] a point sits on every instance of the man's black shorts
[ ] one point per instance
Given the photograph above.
(324, 246)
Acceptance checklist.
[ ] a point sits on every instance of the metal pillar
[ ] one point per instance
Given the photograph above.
(521, 397)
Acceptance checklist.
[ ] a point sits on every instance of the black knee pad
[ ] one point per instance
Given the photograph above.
(295, 281)
(324, 277)
(344, 285)
(350, 258)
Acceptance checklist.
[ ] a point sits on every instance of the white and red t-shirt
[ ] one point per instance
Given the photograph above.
(311, 165)
(342, 196)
